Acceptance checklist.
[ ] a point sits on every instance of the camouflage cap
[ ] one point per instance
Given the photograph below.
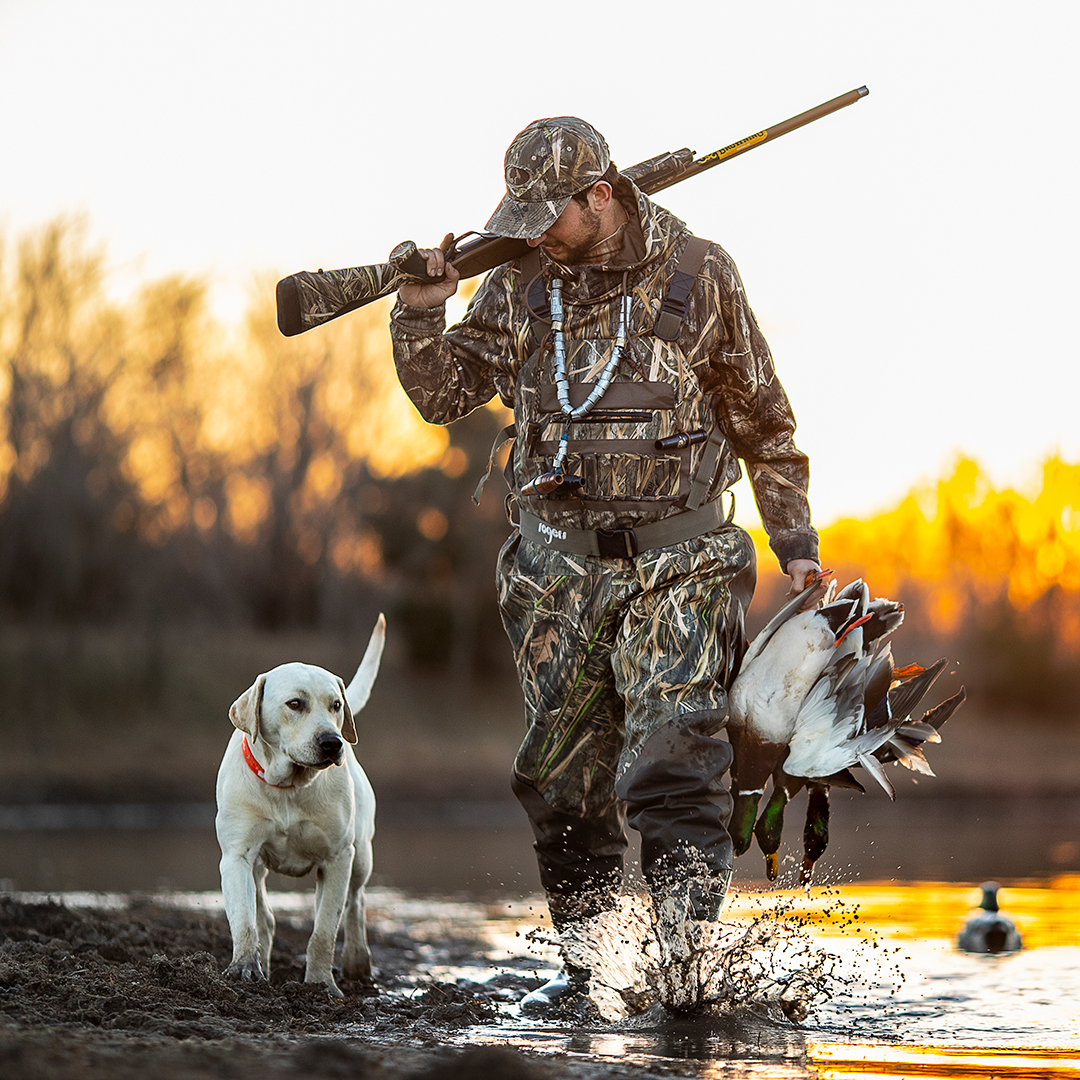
(546, 164)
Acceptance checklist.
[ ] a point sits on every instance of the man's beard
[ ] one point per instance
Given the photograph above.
(580, 250)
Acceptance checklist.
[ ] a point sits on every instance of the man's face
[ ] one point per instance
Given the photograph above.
(575, 231)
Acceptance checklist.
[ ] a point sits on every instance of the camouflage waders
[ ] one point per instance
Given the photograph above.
(623, 665)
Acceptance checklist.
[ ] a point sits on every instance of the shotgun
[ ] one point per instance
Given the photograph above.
(309, 299)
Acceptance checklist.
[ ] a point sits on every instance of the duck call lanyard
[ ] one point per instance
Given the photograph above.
(556, 476)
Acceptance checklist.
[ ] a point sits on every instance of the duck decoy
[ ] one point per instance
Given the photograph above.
(989, 931)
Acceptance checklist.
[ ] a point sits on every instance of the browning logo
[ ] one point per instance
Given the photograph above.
(728, 151)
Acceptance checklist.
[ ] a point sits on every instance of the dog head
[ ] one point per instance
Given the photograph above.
(300, 710)
(305, 712)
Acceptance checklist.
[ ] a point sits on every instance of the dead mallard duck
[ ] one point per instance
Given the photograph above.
(818, 694)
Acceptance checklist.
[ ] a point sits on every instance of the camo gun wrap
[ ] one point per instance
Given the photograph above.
(308, 299)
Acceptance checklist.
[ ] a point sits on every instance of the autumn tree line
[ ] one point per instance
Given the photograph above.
(156, 471)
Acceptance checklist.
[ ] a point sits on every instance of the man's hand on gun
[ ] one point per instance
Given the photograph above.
(437, 293)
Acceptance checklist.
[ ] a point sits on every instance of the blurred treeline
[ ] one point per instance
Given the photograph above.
(989, 577)
(154, 472)
(178, 504)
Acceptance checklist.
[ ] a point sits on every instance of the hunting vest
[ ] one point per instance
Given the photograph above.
(649, 449)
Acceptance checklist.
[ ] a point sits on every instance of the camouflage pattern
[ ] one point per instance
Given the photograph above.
(322, 295)
(608, 651)
(547, 163)
(720, 366)
(624, 664)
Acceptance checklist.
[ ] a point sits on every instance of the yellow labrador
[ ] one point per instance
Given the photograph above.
(291, 797)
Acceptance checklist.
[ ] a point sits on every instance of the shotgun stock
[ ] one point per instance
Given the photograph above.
(310, 298)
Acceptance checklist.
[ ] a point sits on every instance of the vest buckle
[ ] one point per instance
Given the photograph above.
(616, 543)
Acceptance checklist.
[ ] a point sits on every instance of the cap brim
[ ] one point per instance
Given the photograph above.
(524, 220)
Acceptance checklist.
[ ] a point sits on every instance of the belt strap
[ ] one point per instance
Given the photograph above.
(625, 543)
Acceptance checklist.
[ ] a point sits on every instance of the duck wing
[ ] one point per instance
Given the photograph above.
(906, 744)
(790, 609)
(830, 731)
(906, 695)
(885, 617)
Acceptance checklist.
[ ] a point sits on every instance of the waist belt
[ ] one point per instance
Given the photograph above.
(625, 543)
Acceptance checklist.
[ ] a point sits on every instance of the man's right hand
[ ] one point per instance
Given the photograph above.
(437, 293)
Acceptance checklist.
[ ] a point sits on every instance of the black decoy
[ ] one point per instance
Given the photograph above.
(989, 931)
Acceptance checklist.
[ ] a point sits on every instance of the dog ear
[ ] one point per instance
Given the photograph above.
(247, 708)
(348, 725)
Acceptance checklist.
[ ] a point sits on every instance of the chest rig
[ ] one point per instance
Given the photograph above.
(612, 427)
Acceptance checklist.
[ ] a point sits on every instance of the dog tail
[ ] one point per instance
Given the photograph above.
(359, 690)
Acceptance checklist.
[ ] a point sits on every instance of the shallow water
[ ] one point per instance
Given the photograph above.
(484, 849)
(900, 1000)
(903, 1002)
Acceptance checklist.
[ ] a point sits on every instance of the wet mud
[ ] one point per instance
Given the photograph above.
(126, 994)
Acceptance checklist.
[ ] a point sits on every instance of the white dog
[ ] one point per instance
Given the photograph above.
(292, 798)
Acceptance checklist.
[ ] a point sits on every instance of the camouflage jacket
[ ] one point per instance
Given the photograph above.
(717, 376)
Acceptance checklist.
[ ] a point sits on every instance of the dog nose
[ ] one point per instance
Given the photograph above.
(330, 744)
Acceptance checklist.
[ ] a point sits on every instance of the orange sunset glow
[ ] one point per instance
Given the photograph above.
(196, 432)
(965, 544)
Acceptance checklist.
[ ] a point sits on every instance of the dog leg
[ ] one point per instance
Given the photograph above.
(355, 957)
(331, 888)
(239, 893)
(264, 918)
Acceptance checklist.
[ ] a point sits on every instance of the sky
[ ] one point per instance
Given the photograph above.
(912, 259)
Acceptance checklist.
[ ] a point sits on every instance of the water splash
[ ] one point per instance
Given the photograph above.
(640, 952)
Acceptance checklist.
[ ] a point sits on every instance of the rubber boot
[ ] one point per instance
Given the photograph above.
(677, 799)
(580, 859)
(567, 992)
(701, 890)
(581, 865)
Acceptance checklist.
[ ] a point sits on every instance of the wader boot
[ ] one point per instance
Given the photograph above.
(559, 995)
(677, 800)
(581, 866)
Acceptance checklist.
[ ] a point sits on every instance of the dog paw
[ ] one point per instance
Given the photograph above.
(358, 972)
(245, 969)
(328, 981)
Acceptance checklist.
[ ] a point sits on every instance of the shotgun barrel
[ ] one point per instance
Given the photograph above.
(310, 298)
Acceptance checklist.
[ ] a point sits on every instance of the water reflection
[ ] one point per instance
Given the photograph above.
(906, 1003)
(485, 849)
(837, 1061)
(705, 1046)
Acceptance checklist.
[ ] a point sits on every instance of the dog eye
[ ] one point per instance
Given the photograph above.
(295, 704)
(336, 706)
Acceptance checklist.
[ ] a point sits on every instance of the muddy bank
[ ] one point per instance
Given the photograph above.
(126, 994)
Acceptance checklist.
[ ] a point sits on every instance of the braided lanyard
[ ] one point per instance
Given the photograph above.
(562, 384)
